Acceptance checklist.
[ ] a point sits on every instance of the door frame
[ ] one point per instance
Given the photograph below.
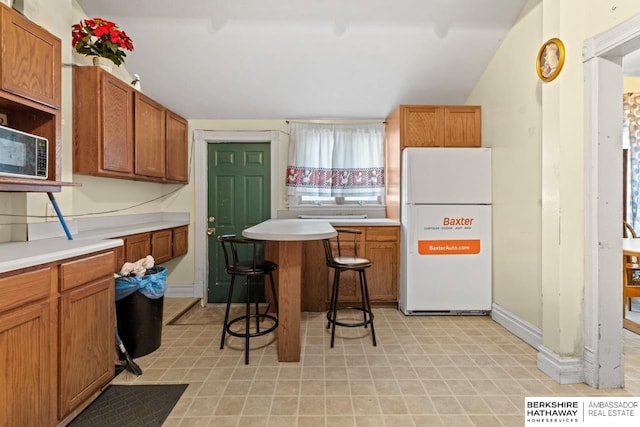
(603, 87)
(201, 139)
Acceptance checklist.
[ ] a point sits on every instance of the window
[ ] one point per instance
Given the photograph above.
(336, 164)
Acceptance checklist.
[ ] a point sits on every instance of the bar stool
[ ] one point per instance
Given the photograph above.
(238, 263)
(342, 263)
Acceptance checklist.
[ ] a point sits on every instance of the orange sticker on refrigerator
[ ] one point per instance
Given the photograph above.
(449, 247)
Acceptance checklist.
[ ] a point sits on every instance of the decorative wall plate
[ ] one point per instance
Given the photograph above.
(550, 59)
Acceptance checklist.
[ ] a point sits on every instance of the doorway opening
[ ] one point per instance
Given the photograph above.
(603, 72)
(201, 141)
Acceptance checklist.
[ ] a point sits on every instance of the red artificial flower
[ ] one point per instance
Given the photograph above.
(99, 37)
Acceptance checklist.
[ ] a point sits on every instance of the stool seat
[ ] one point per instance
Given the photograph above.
(248, 266)
(341, 263)
(350, 262)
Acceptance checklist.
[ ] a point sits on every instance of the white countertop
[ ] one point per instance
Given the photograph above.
(48, 243)
(127, 230)
(364, 222)
(17, 255)
(291, 230)
(107, 227)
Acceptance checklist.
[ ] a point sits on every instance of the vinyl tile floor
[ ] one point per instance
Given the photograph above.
(425, 371)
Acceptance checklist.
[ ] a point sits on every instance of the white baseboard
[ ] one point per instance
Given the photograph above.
(184, 290)
(589, 366)
(565, 370)
(517, 326)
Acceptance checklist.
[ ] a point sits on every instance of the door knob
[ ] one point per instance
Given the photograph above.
(212, 218)
(211, 231)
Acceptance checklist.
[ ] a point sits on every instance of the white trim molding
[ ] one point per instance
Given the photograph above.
(565, 370)
(201, 139)
(183, 290)
(517, 326)
(603, 365)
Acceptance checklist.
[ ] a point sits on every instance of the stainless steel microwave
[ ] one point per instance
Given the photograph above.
(23, 155)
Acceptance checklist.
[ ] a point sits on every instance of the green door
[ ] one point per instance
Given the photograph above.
(239, 197)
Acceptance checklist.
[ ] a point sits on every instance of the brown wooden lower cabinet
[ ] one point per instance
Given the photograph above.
(161, 242)
(87, 355)
(137, 246)
(27, 355)
(57, 344)
(163, 245)
(381, 244)
(180, 240)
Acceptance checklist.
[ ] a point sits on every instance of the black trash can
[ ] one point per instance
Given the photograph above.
(140, 317)
(140, 323)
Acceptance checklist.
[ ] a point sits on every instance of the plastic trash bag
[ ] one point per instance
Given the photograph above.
(152, 285)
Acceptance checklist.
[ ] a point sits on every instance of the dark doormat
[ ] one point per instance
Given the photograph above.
(131, 405)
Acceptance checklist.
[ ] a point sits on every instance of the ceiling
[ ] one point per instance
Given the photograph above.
(307, 59)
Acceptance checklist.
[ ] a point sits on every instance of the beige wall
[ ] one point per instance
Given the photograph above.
(97, 196)
(509, 93)
(631, 84)
(536, 130)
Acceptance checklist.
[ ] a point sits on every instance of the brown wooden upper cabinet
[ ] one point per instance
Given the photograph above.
(124, 133)
(437, 125)
(425, 126)
(31, 60)
(176, 152)
(30, 91)
(149, 140)
(103, 124)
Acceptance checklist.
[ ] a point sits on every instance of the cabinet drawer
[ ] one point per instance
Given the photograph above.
(81, 271)
(18, 289)
(382, 234)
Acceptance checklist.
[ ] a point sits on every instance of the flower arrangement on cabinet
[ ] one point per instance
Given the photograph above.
(102, 38)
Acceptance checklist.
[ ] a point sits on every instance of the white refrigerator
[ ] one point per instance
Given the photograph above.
(445, 212)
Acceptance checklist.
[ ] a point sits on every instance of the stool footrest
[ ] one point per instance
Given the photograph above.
(259, 317)
(367, 313)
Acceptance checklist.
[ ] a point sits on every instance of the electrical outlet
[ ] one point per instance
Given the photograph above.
(50, 212)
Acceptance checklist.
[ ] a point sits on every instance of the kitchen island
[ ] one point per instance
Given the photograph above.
(289, 234)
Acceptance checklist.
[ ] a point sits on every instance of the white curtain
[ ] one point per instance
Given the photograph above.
(336, 159)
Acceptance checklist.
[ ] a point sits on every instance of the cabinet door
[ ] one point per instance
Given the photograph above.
(137, 246)
(180, 240)
(31, 59)
(349, 280)
(27, 357)
(118, 255)
(382, 276)
(87, 355)
(116, 144)
(382, 248)
(176, 141)
(463, 126)
(161, 245)
(422, 126)
(149, 139)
